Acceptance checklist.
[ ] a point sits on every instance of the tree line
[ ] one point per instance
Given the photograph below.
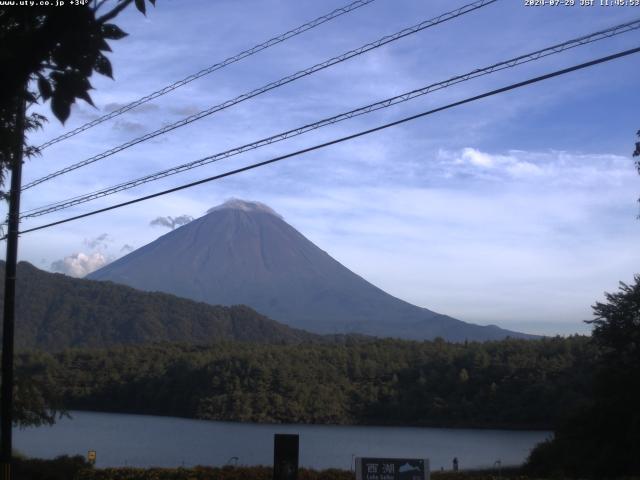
(506, 384)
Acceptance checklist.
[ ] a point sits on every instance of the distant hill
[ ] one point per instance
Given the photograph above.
(55, 312)
(245, 253)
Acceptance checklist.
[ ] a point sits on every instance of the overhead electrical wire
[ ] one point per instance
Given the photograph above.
(270, 86)
(206, 71)
(513, 86)
(558, 48)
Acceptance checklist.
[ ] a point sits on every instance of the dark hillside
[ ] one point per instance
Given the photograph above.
(55, 311)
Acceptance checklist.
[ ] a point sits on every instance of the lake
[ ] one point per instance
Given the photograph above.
(143, 440)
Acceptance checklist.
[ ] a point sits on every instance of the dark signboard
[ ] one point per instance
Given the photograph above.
(285, 456)
(392, 469)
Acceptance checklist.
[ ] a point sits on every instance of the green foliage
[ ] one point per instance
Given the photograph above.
(59, 48)
(205, 473)
(511, 383)
(36, 396)
(636, 153)
(8, 139)
(76, 468)
(55, 312)
(263, 473)
(61, 468)
(603, 439)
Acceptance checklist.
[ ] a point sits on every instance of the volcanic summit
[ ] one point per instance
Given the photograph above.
(243, 252)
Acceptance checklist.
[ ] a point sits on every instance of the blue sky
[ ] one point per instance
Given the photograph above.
(518, 210)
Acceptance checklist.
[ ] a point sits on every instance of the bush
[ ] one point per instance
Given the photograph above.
(206, 473)
(60, 468)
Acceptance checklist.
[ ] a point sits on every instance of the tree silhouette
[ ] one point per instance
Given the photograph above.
(636, 154)
(603, 440)
(46, 53)
(49, 53)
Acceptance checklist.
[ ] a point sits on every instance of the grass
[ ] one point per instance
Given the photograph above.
(77, 468)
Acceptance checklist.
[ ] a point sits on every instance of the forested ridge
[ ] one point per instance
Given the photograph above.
(55, 311)
(507, 384)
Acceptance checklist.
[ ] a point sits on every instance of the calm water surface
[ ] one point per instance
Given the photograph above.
(142, 440)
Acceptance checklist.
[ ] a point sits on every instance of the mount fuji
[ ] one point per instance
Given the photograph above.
(245, 253)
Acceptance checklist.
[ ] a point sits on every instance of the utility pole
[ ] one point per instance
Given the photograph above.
(6, 390)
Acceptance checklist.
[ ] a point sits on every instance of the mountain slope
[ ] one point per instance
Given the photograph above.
(55, 311)
(245, 253)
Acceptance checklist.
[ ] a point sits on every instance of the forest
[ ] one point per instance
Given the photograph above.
(506, 384)
(55, 311)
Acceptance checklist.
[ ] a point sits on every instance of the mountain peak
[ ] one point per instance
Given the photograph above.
(245, 206)
(243, 253)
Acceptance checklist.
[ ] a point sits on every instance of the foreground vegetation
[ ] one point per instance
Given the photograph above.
(507, 384)
(588, 388)
(266, 473)
(601, 439)
(76, 468)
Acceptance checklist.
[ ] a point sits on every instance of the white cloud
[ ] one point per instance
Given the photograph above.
(557, 168)
(523, 169)
(80, 264)
(477, 158)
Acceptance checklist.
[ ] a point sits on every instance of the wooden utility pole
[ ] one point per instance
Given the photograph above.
(13, 221)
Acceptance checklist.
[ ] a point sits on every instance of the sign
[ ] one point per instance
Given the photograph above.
(285, 456)
(392, 469)
(91, 456)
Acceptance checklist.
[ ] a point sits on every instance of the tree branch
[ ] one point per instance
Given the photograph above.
(114, 12)
(99, 5)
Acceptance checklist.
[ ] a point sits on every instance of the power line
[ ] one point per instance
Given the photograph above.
(346, 138)
(270, 86)
(206, 71)
(558, 48)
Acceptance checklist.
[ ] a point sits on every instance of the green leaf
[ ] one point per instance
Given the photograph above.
(45, 88)
(103, 66)
(61, 107)
(112, 32)
(141, 6)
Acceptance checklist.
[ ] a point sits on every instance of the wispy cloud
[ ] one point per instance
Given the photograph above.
(171, 222)
(128, 126)
(144, 108)
(552, 167)
(101, 241)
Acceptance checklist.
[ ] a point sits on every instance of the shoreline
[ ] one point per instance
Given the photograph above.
(512, 428)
